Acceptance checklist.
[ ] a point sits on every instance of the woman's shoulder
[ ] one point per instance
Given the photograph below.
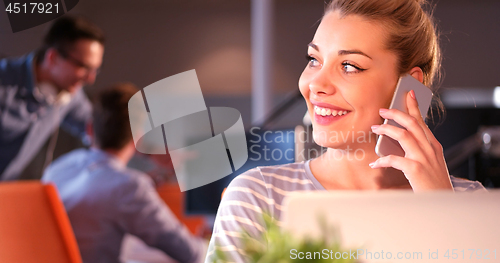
(285, 177)
(464, 185)
(263, 189)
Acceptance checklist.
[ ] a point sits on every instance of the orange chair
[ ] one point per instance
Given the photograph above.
(171, 194)
(34, 226)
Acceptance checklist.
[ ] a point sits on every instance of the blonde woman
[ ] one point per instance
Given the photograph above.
(360, 50)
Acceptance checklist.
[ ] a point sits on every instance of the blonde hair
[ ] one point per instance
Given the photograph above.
(412, 34)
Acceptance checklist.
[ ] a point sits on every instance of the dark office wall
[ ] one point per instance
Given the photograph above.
(470, 35)
(150, 39)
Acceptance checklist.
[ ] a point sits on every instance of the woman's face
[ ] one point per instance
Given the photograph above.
(349, 77)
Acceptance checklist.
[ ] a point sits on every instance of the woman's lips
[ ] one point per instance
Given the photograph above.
(328, 111)
(325, 114)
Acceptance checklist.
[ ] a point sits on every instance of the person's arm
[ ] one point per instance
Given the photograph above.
(142, 213)
(241, 209)
(78, 115)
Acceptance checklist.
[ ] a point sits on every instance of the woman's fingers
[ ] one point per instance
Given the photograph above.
(410, 122)
(414, 111)
(403, 136)
(415, 172)
(407, 166)
(423, 164)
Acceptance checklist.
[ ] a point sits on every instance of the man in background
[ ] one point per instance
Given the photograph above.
(105, 199)
(43, 90)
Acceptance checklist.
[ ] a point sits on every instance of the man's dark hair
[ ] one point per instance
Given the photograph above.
(65, 31)
(110, 116)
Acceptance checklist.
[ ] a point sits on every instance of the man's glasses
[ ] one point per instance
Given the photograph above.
(78, 63)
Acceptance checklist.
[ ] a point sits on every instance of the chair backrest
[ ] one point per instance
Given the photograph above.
(171, 194)
(34, 226)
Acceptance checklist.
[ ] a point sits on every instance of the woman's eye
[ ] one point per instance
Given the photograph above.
(350, 68)
(312, 61)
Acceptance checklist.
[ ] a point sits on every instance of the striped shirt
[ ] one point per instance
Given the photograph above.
(262, 190)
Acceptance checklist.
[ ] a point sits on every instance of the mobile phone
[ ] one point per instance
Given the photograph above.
(386, 145)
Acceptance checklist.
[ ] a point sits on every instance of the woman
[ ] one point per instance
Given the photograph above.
(360, 50)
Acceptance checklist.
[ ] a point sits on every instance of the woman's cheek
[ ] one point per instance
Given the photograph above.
(303, 84)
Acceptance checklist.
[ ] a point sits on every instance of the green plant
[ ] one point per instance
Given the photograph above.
(279, 246)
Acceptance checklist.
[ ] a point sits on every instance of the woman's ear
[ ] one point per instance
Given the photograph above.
(417, 73)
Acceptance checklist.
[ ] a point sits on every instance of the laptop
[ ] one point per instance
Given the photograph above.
(400, 226)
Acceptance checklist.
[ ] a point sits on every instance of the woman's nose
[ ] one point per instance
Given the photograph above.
(322, 84)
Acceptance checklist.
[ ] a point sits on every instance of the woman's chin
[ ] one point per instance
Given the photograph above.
(321, 139)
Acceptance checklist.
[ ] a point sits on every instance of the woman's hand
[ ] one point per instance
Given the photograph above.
(423, 164)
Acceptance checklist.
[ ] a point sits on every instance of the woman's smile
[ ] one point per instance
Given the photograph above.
(325, 113)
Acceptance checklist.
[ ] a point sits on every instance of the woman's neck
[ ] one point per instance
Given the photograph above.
(348, 169)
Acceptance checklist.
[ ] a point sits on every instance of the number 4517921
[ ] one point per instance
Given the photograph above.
(32, 8)
(470, 254)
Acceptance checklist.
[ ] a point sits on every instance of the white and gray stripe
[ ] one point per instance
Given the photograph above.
(262, 190)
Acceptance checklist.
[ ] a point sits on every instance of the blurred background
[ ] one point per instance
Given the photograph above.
(149, 40)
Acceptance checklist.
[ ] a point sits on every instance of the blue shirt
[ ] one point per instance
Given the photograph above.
(27, 119)
(105, 199)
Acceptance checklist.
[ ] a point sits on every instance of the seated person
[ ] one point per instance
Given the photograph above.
(360, 50)
(105, 199)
